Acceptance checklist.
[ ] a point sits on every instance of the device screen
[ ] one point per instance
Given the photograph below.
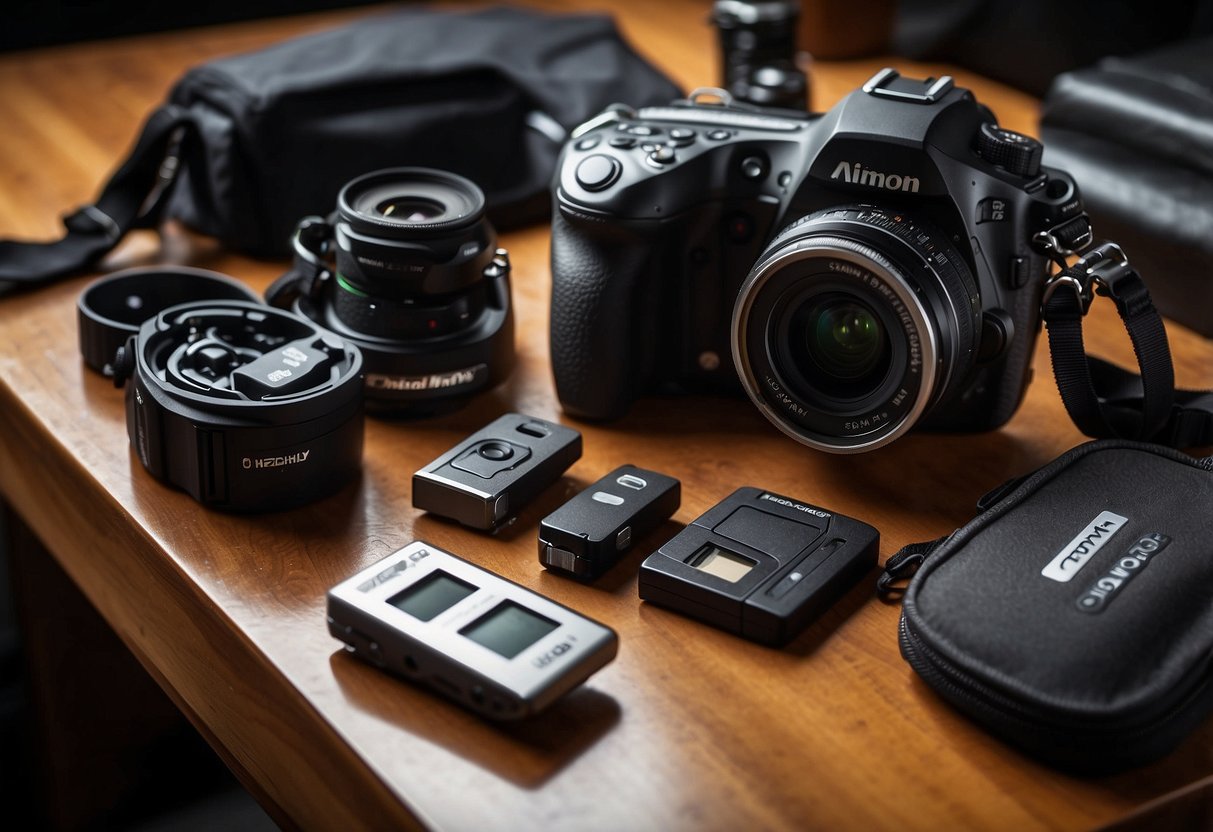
(430, 597)
(508, 629)
(722, 563)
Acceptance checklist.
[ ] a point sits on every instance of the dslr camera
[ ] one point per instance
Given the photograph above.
(868, 270)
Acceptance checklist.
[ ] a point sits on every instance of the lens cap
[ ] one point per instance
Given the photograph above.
(112, 309)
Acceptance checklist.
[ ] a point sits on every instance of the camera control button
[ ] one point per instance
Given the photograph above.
(682, 136)
(719, 135)
(1013, 152)
(597, 172)
(643, 130)
(997, 330)
(622, 142)
(790, 580)
(993, 209)
(662, 156)
(753, 167)
(588, 143)
(1017, 273)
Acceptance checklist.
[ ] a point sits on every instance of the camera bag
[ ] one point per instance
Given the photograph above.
(1073, 618)
(247, 145)
(1135, 133)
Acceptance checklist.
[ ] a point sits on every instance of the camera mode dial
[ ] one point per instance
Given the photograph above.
(1014, 152)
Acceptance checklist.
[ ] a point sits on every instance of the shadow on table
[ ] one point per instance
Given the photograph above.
(528, 752)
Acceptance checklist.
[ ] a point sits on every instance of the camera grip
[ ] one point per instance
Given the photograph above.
(602, 332)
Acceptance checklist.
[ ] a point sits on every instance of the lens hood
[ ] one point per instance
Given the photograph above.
(245, 407)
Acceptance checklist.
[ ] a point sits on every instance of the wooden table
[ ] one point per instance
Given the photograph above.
(689, 728)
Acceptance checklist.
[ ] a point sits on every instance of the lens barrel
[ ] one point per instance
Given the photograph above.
(405, 232)
(758, 52)
(851, 325)
(420, 286)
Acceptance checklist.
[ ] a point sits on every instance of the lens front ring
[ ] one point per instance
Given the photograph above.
(873, 276)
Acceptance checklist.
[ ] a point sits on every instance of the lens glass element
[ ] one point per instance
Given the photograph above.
(846, 345)
(410, 208)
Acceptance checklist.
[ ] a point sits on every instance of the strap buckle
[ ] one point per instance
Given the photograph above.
(1097, 271)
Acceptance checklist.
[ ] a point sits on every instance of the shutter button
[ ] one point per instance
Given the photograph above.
(597, 172)
(662, 156)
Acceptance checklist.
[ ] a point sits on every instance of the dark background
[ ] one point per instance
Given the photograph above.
(33, 23)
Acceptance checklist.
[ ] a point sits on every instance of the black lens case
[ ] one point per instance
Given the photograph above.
(245, 407)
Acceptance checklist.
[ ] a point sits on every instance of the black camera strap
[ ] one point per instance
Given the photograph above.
(134, 197)
(1104, 400)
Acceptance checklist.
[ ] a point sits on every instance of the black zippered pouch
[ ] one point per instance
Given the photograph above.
(1073, 617)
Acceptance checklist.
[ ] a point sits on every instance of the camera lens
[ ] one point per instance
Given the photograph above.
(851, 325)
(419, 286)
(401, 203)
(415, 209)
(844, 342)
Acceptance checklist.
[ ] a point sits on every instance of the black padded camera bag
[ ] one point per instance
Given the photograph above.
(1107, 669)
(247, 145)
(1135, 133)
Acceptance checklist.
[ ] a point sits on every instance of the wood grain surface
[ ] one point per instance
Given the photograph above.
(690, 728)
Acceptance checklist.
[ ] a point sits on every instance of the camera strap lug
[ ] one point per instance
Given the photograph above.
(1103, 399)
(1065, 239)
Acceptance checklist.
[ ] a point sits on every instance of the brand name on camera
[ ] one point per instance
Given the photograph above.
(275, 461)
(1100, 594)
(1074, 556)
(783, 501)
(854, 173)
(431, 381)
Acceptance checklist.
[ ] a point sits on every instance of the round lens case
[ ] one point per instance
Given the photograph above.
(243, 406)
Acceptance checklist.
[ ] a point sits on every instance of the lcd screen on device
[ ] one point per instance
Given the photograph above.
(509, 629)
(722, 563)
(432, 596)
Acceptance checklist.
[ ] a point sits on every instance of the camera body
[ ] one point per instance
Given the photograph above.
(904, 287)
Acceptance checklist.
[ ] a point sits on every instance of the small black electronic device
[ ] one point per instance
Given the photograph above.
(487, 478)
(760, 565)
(758, 52)
(408, 269)
(488, 643)
(245, 407)
(587, 534)
(867, 270)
